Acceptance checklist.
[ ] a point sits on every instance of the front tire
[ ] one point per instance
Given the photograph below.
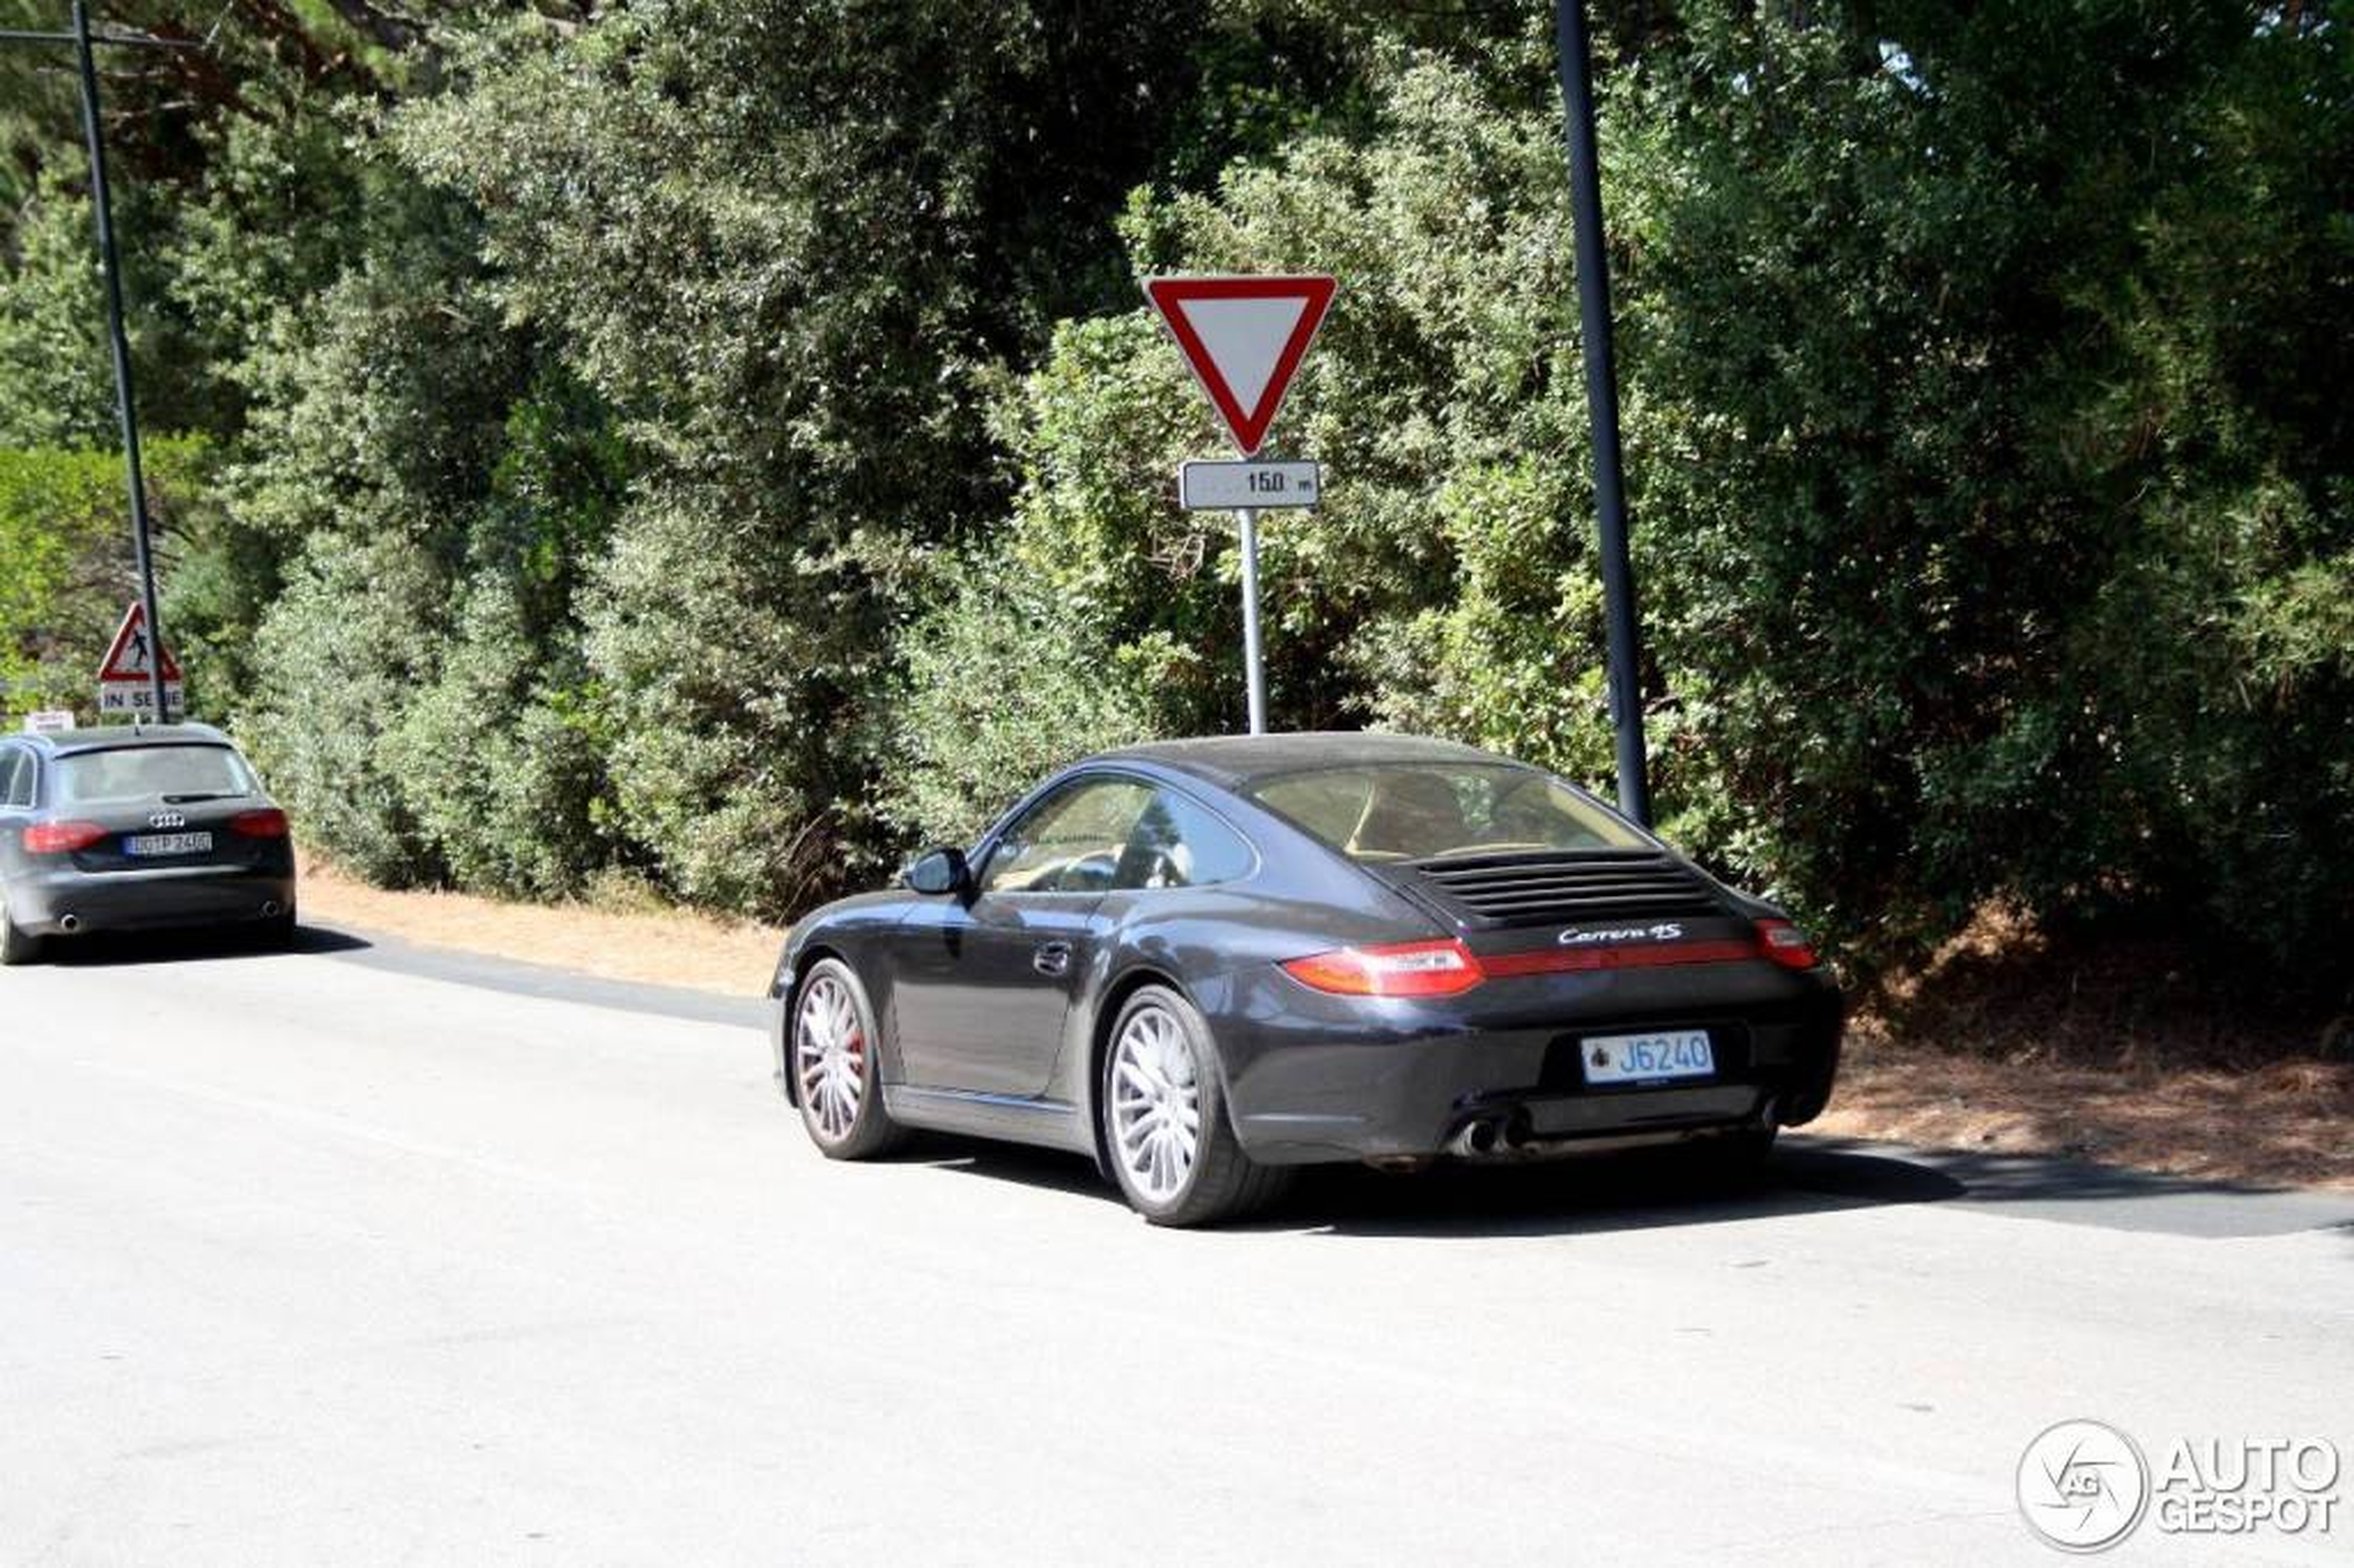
(1162, 1107)
(837, 1072)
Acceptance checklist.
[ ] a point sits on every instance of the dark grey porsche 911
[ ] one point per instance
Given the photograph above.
(1204, 962)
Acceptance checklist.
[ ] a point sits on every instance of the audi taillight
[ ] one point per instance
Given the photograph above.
(61, 838)
(268, 823)
(1786, 945)
(1402, 968)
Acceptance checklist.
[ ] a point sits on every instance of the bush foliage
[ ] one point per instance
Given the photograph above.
(724, 444)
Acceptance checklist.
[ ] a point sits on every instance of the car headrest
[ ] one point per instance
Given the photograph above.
(1411, 813)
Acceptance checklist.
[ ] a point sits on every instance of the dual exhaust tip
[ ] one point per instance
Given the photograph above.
(1491, 1135)
(1507, 1136)
(69, 924)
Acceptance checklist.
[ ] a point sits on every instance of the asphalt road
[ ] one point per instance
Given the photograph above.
(363, 1256)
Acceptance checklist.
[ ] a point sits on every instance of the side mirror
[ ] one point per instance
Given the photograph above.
(938, 871)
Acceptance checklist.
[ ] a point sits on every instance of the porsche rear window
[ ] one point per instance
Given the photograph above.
(151, 773)
(1430, 810)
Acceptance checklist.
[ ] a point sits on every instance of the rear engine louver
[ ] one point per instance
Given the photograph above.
(1570, 886)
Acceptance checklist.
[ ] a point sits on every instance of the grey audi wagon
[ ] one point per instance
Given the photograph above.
(132, 828)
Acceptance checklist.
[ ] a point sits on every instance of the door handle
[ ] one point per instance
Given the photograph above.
(1054, 959)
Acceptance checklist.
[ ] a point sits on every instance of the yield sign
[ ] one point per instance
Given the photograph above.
(1244, 338)
(127, 658)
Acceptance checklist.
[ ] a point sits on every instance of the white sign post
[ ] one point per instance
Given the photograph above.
(1244, 338)
(124, 683)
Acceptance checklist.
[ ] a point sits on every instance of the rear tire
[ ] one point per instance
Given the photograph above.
(1162, 1110)
(275, 934)
(837, 1070)
(17, 946)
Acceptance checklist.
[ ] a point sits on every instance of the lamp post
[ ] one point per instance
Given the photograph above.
(1625, 647)
(126, 405)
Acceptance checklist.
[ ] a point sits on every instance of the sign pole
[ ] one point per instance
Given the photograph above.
(125, 404)
(1601, 401)
(1254, 673)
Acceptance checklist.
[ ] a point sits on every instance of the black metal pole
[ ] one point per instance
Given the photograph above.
(1625, 652)
(124, 403)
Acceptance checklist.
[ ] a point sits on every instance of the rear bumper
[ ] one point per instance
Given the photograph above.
(58, 901)
(1315, 1078)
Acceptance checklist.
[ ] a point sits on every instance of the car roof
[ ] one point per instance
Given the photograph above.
(114, 737)
(1234, 761)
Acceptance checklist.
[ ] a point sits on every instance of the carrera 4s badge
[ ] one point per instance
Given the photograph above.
(1664, 930)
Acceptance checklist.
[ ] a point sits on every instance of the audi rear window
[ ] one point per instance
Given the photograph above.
(1432, 811)
(152, 773)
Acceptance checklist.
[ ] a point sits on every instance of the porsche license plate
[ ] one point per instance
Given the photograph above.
(152, 846)
(1647, 1058)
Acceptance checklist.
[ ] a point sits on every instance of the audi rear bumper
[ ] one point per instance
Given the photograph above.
(68, 902)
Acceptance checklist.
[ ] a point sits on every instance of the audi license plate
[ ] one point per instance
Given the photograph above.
(1646, 1058)
(149, 845)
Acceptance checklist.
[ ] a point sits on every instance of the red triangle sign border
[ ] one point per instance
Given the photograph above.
(116, 666)
(1249, 426)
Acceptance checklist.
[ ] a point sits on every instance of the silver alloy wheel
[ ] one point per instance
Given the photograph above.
(831, 1048)
(1156, 1104)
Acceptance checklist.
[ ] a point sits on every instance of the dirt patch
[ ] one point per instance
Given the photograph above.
(662, 946)
(2291, 1123)
(2013, 1041)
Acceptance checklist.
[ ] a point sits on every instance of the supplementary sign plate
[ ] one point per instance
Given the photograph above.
(122, 697)
(1226, 486)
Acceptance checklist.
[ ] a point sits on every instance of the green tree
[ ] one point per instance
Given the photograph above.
(795, 297)
(66, 573)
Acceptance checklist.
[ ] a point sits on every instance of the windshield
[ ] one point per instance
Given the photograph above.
(147, 773)
(1425, 811)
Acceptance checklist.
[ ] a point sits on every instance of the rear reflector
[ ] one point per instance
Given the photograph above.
(266, 824)
(1404, 968)
(61, 838)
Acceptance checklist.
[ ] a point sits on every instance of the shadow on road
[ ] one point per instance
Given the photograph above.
(1631, 1192)
(1635, 1192)
(126, 949)
(1626, 1192)
(1018, 1163)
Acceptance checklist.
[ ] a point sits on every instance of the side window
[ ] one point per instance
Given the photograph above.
(1178, 844)
(1072, 841)
(16, 777)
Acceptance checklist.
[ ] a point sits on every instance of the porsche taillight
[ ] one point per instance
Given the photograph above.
(1786, 945)
(1445, 968)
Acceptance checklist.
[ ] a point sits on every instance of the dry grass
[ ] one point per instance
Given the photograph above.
(2010, 1041)
(2005, 1041)
(664, 946)
(2290, 1123)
